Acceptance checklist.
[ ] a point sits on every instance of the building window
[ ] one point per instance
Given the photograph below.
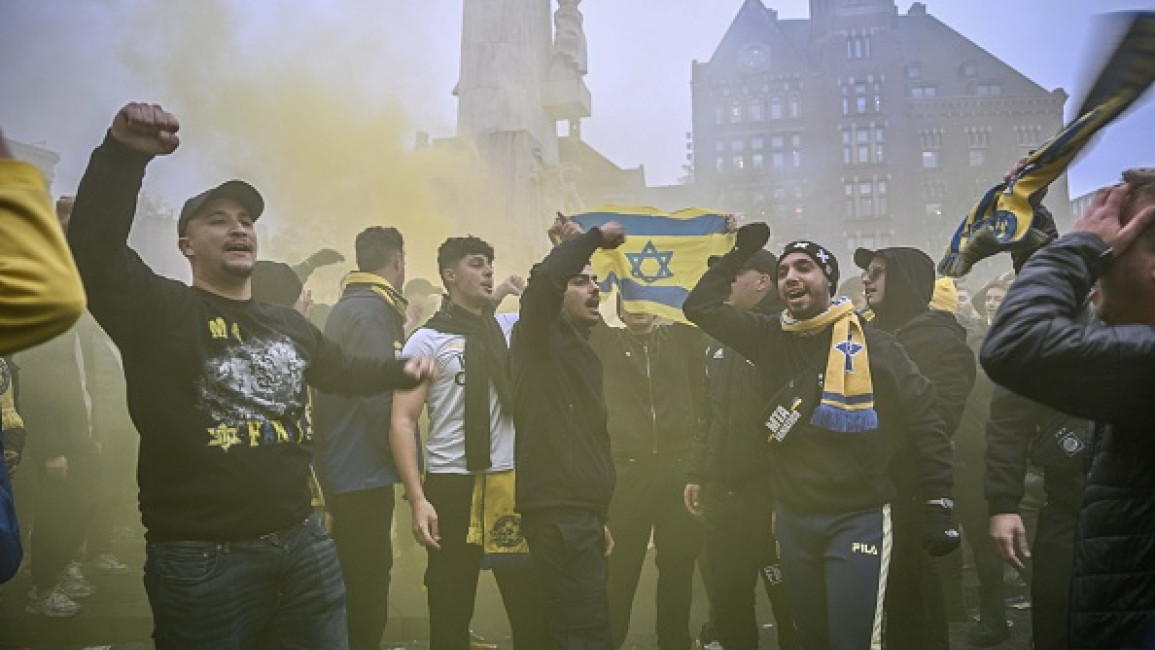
(719, 164)
(930, 138)
(988, 90)
(776, 108)
(858, 46)
(796, 158)
(719, 115)
(978, 157)
(719, 147)
(1028, 136)
(756, 162)
(739, 162)
(978, 138)
(930, 160)
(969, 69)
(923, 91)
(735, 112)
(756, 143)
(737, 145)
(863, 154)
(795, 107)
(913, 70)
(757, 110)
(777, 142)
(777, 160)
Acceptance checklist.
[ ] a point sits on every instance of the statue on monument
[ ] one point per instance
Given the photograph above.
(569, 44)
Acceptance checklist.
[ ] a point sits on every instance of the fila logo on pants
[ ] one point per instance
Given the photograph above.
(865, 549)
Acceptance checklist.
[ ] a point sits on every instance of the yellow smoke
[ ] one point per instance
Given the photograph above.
(310, 107)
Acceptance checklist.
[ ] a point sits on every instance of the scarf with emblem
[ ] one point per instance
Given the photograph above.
(381, 287)
(847, 392)
(486, 363)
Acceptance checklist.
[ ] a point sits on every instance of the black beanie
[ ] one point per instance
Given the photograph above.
(822, 257)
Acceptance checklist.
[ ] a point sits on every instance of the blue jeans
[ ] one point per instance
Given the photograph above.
(282, 590)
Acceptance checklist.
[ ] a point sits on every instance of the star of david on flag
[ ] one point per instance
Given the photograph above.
(663, 257)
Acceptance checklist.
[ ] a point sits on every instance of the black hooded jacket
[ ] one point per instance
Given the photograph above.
(933, 339)
(1038, 348)
(820, 471)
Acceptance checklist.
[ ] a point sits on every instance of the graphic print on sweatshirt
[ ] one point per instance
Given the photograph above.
(254, 391)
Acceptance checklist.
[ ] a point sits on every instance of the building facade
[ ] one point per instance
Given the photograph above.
(861, 126)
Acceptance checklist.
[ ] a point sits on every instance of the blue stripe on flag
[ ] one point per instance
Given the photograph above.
(632, 290)
(650, 226)
(849, 400)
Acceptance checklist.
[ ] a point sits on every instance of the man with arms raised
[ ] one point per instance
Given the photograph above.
(840, 397)
(217, 389)
(565, 474)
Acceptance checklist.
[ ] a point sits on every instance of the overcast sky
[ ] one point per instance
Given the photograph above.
(236, 71)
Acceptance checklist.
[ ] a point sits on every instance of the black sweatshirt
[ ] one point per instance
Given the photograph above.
(562, 450)
(825, 471)
(216, 387)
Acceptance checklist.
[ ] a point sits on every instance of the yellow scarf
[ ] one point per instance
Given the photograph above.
(493, 524)
(847, 392)
(381, 287)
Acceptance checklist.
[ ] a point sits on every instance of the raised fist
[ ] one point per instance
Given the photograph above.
(146, 128)
(753, 237)
(613, 234)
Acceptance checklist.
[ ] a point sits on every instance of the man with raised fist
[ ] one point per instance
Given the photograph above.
(216, 386)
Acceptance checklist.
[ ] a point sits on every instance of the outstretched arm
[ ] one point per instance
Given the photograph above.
(120, 286)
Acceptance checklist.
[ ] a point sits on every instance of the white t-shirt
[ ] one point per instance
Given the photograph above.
(445, 444)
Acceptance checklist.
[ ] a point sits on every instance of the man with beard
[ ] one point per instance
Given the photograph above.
(216, 387)
(843, 399)
(899, 283)
(469, 448)
(727, 482)
(565, 473)
(1039, 347)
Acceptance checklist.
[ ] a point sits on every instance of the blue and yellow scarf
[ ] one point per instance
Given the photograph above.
(1002, 220)
(847, 404)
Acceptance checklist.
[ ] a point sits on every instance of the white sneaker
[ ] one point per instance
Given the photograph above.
(51, 603)
(73, 583)
(107, 562)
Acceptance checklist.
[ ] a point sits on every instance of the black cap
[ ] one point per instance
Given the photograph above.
(863, 257)
(240, 191)
(762, 261)
(276, 282)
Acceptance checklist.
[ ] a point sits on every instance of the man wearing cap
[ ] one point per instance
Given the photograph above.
(216, 386)
(727, 478)
(899, 283)
(838, 397)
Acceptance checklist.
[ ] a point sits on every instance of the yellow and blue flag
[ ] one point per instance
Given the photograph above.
(664, 256)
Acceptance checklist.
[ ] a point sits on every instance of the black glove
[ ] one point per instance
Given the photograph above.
(1043, 223)
(940, 533)
(752, 237)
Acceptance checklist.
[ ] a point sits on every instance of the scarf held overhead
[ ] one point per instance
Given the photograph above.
(486, 363)
(1001, 221)
(664, 256)
(847, 404)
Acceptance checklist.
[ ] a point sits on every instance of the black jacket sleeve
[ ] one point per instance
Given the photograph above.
(1037, 348)
(919, 420)
(544, 293)
(335, 371)
(122, 290)
(1009, 431)
(755, 336)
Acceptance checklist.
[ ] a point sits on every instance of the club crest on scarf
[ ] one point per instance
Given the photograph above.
(847, 404)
